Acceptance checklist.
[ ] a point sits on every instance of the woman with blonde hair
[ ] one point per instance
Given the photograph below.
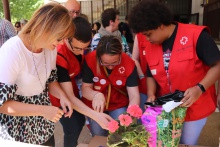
(28, 73)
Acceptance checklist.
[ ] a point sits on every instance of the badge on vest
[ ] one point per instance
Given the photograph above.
(95, 79)
(97, 87)
(118, 82)
(102, 81)
(72, 74)
(153, 71)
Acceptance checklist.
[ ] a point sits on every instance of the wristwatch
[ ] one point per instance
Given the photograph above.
(141, 76)
(201, 87)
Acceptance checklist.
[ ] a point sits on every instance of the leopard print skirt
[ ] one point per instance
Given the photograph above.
(28, 129)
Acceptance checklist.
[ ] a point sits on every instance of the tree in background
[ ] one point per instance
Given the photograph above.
(21, 9)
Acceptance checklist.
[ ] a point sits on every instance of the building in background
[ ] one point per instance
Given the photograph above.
(200, 12)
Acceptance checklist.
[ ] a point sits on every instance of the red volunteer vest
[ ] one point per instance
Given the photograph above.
(185, 70)
(67, 60)
(117, 79)
(142, 43)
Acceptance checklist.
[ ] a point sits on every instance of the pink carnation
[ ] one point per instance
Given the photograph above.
(113, 126)
(125, 120)
(135, 111)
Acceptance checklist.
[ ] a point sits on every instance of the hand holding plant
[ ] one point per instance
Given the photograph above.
(126, 131)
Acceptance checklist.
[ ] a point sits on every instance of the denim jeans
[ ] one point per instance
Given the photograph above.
(72, 128)
(96, 129)
(191, 131)
(143, 99)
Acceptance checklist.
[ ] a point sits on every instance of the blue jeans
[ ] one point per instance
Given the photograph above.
(191, 131)
(72, 128)
(143, 99)
(96, 129)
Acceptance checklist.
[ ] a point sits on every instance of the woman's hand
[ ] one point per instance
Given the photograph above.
(98, 102)
(65, 103)
(102, 119)
(191, 95)
(151, 98)
(52, 113)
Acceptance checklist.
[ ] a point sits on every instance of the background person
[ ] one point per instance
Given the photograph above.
(110, 21)
(179, 56)
(74, 8)
(28, 73)
(6, 31)
(17, 26)
(110, 82)
(23, 22)
(126, 31)
(95, 27)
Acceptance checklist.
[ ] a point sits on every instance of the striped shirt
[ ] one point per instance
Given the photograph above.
(6, 31)
(97, 38)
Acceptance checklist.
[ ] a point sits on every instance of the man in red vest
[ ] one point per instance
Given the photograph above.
(179, 56)
(69, 60)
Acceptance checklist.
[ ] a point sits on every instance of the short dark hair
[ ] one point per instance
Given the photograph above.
(18, 23)
(98, 25)
(83, 31)
(107, 15)
(149, 15)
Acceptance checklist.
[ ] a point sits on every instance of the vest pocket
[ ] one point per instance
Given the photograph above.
(184, 56)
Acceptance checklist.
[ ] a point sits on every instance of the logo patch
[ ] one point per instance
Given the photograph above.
(121, 70)
(183, 40)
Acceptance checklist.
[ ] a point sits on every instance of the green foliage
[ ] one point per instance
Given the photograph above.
(21, 8)
(134, 135)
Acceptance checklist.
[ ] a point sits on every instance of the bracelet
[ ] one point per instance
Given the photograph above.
(96, 94)
(201, 87)
(141, 76)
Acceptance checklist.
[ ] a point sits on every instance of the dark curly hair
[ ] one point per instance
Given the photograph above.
(107, 15)
(149, 15)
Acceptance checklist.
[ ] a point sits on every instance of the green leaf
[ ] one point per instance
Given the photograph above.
(21, 9)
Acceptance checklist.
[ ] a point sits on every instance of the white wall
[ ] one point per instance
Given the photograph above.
(197, 8)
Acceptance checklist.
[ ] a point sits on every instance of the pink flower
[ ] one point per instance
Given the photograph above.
(113, 126)
(135, 111)
(125, 119)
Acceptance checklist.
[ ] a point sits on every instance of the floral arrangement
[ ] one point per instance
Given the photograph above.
(126, 131)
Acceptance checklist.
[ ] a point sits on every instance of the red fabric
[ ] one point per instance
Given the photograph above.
(142, 43)
(117, 78)
(68, 61)
(185, 70)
